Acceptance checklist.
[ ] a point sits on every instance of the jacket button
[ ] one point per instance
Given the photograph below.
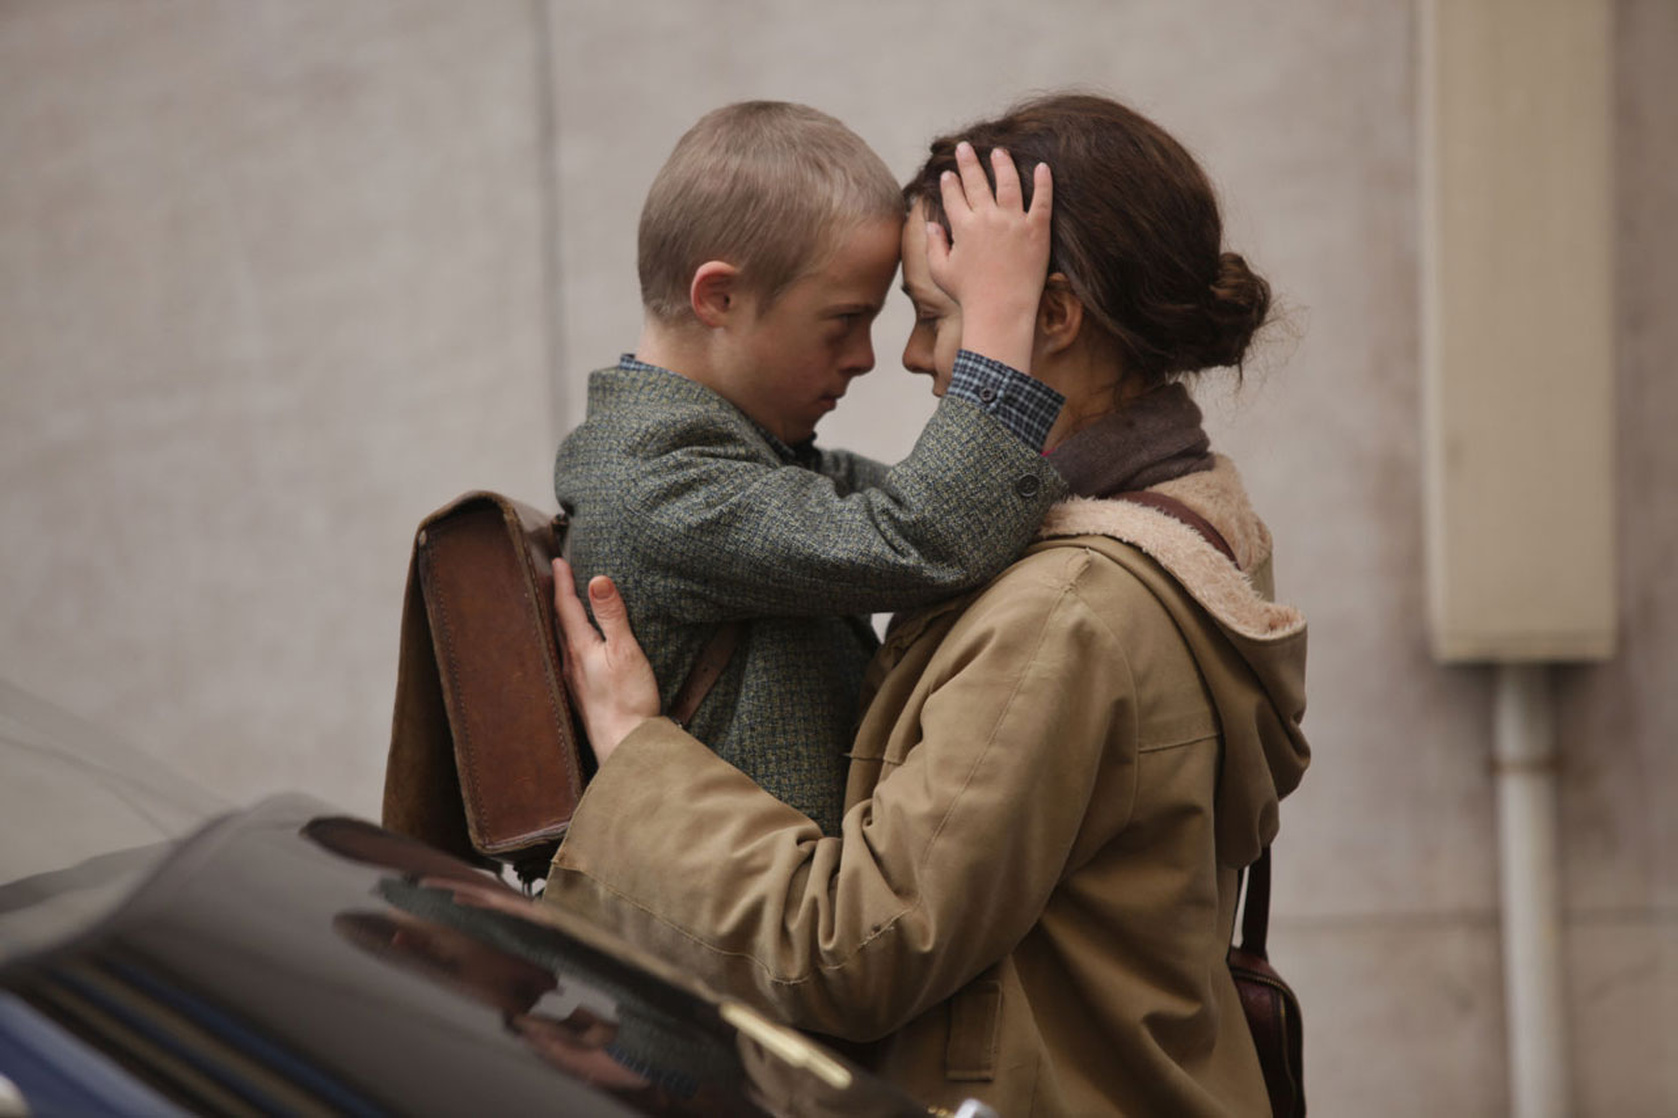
(1028, 486)
(987, 393)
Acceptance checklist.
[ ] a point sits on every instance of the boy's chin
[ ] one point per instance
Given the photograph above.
(801, 432)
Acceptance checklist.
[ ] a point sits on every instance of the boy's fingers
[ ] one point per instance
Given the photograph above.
(937, 246)
(609, 611)
(955, 200)
(973, 181)
(1008, 194)
(573, 619)
(1042, 191)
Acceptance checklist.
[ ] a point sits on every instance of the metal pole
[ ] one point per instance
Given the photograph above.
(1534, 991)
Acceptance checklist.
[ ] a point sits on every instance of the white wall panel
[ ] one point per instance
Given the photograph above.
(1519, 323)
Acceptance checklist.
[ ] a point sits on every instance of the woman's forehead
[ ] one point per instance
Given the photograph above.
(917, 275)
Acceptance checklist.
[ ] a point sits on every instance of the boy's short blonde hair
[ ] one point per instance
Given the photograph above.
(762, 185)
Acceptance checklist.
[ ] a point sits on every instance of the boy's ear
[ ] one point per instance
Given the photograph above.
(714, 294)
(1060, 316)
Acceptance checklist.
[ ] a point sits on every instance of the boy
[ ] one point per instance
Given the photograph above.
(768, 242)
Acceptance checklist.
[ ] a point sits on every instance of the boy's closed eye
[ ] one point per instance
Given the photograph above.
(844, 325)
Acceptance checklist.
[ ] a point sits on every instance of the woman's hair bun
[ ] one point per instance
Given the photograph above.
(1237, 305)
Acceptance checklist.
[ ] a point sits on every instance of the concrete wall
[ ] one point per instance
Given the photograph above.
(278, 277)
(271, 286)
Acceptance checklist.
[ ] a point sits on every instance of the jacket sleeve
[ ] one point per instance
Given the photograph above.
(722, 536)
(1028, 408)
(934, 878)
(851, 472)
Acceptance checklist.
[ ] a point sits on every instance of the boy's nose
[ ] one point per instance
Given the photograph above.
(861, 358)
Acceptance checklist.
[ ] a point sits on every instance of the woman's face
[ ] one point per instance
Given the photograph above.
(937, 334)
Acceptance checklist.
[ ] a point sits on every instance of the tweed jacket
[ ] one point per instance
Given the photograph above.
(702, 517)
(1035, 885)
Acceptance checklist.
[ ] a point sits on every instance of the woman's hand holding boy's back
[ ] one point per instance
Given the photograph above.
(996, 258)
(609, 678)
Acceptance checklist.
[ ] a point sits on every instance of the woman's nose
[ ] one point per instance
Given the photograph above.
(917, 355)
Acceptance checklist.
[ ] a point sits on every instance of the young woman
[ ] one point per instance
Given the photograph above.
(1059, 776)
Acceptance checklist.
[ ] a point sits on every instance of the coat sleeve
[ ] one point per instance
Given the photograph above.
(934, 878)
(851, 472)
(719, 535)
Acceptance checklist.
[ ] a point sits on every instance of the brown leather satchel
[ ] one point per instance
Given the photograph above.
(1267, 1001)
(486, 758)
(484, 752)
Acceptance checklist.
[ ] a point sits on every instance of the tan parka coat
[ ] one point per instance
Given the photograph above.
(1050, 795)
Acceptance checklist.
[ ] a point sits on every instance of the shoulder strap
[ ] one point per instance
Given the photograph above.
(1177, 510)
(707, 669)
(713, 658)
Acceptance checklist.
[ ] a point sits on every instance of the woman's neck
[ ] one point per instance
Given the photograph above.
(1154, 437)
(1093, 383)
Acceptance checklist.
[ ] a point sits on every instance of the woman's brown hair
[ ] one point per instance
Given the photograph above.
(1135, 230)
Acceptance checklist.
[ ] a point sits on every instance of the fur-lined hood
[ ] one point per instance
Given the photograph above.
(1252, 654)
(1236, 594)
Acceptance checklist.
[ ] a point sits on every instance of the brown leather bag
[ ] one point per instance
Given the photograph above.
(486, 758)
(484, 752)
(1267, 1001)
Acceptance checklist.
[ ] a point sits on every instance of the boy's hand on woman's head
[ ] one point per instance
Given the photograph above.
(609, 678)
(996, 258)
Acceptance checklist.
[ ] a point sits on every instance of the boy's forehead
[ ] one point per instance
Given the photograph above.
(863, 255)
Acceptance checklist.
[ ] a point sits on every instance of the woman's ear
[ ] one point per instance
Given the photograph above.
(1060, 316)
(714, 294)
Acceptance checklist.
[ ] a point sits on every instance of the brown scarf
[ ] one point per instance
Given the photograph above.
(1154, 438)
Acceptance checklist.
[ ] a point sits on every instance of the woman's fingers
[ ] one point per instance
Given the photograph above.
(574, 624)
(610, 613)
(610, 680)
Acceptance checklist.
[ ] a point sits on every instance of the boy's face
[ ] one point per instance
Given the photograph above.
(792, 361)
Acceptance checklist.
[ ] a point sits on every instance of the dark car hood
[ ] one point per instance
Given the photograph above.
(288, 959)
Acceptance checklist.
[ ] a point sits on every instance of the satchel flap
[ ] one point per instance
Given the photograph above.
(488, 588)
(422, 788)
